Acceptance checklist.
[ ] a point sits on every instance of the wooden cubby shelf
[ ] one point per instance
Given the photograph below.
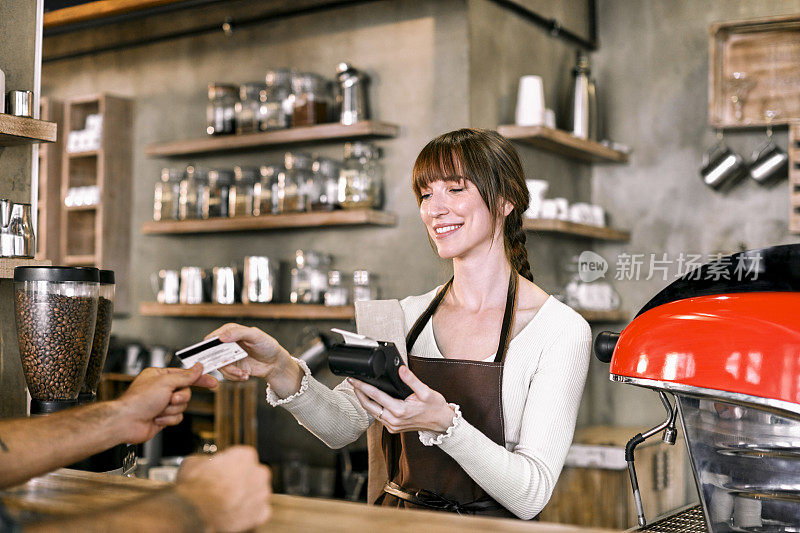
(613, 316)
(264, 311)
(354, 217)
(565, 227)
(563, 143)
(332, 132)
(23, 130)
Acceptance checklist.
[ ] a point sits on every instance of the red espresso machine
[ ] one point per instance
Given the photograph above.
(724, 342)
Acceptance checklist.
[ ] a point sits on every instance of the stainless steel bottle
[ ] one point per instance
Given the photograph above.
(583, 103)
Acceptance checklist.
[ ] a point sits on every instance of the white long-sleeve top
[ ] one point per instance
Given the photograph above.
(543, 378)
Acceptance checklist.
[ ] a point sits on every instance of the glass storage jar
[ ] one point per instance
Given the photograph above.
(361, 178)
(102, 334)
(167, 194)
(364, 286)
(193, 193)
(221, 109)
(55, 310)
(217, 193)
(248, 108)
(326, 184)
(336, 294)
(264, 187)
(309, 278)
(292, 183)
(311, 98)
(243, 192)
(277, 101)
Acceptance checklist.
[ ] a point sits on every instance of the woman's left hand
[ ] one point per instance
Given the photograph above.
(425, 409)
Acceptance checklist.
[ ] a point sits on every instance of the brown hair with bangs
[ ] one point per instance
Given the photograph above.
(490, 162)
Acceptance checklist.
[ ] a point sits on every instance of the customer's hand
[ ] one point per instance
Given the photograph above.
(230, 489)
(157, 398)
(425, 409)
(265, 354)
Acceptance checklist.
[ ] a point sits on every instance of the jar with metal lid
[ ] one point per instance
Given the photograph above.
(248, 108)
(361, 178)
(364, 286)
(102, 334)
(311, 99)
(325, 188)
(217, 193)
(309, 278)
(243, 192)
(193, 193)
(167, 194)
(221, 109)
(263, 189)
(336, 293)
(292, 183)
(277, 101)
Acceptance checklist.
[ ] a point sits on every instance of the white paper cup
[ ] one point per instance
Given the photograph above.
(530, 102)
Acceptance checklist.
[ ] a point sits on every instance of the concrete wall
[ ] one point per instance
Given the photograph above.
(652, 76)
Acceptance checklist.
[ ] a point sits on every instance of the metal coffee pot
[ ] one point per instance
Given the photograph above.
(770, 162)
(722, 167)
(16, 231)
(353, 92)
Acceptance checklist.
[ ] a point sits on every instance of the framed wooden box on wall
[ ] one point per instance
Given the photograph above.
(754, 72)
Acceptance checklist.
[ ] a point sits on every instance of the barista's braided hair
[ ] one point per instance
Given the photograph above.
(489, 161)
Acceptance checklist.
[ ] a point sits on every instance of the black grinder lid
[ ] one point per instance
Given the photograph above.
(107, 277)
(57, 274)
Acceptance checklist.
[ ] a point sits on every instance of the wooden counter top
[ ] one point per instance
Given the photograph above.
(69, 491)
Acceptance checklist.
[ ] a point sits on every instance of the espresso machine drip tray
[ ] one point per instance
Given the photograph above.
(686, 520)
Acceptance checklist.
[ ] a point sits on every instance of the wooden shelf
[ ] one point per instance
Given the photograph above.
(87, 153)
(8, 264)
(80, 207)
(563, 143)
(264, 311)
(79, 260)
(23, 130)
(307, 134)
(345, 217)
(615, 315)
(565, 227)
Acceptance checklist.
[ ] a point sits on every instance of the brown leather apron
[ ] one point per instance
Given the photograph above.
(425, 476)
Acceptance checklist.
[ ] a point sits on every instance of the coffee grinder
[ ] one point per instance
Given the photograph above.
(63, 320)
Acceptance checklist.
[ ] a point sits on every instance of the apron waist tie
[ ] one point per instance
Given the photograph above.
(433, 500)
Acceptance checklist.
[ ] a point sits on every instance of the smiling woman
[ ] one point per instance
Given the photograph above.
(496, 365)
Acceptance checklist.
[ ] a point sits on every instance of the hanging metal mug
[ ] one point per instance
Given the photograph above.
(722, 167)
(770, 162)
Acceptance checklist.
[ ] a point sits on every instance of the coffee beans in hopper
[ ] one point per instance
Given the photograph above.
(55, 336)
(105, 310)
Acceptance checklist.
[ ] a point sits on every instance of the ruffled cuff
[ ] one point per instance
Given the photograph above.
(273, 398)
(433, 438)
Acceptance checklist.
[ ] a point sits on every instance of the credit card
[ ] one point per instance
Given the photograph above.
(212, 353)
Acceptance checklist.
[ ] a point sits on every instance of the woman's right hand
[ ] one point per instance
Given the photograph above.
(265, 355)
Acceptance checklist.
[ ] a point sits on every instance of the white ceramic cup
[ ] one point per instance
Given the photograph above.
(598, 216)
(562, 208)
(548, 209)
(537, 189)
(530, 102)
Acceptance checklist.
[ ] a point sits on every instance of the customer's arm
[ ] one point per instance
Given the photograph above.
(36, 445)
(334, 416)
(229, 491)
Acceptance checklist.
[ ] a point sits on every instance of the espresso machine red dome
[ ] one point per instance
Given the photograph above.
(724, 341)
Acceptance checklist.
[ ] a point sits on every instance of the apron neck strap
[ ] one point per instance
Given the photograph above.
(505, 330)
